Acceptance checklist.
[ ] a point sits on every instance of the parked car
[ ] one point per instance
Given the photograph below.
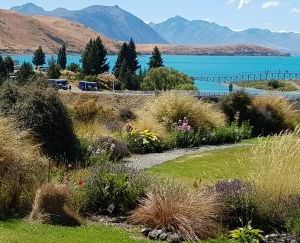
(88, 86)
(59, 83)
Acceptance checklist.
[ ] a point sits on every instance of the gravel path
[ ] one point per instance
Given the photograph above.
(149, 160)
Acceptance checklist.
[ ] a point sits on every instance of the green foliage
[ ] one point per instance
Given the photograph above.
(94, 60)
(126, 114)
(114, 189)
(247, 234)
(236, 106)
(274, 84)
(166, 79)
(3, 70)
(40, 110)
(53, 71)
(62, 57)
(39, 58)
(142, 142)
(25, 73)
(229, 134)
(156, 60)
(74, 67)
(9, 63)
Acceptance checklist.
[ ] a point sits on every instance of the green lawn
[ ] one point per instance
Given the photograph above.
(286, 86)
(208, 166)
(18, 231)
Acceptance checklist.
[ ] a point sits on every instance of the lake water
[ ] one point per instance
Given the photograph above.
(208, 65)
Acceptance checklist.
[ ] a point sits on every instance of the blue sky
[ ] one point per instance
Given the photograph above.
(277, 15)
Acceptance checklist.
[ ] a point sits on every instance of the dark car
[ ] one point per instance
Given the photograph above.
(88, 86)
(59, 83)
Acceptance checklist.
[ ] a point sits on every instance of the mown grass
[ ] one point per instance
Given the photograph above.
(18, 231)
(285, 86)
(208, 166)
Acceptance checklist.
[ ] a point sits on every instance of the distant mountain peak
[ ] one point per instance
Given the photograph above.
(29, 9)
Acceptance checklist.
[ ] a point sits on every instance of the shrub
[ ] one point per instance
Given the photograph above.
(229, 134)
(271, 115)
(247, 234)
(166, 79)
(275, 168)
(51, 206)
(73, 67)
(178, 209)
(142, 142)
(22, 170)
(40, 110)
(236, 106)
(115, 150)
(126, 114)
(114, 189)
(109, 81)
(169, 108)
(274, 84)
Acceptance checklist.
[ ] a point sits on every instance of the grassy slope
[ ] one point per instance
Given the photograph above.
(17, 231)
(209, 166)
(264, 85)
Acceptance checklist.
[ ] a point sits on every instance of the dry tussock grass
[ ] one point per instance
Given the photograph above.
(93, 129)
(51, 206)
(275, 170)
(22, 169)
(284, 108)
(169, 108)
(176, 208)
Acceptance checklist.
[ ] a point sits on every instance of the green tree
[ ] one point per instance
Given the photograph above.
(133, 63)
(25, 73)
(3, 70)
(156, 60)
(121, 56)
(62, 57)
(166, 79)
(94, 60)
(53, 71)
(39, 58)
(9, 63)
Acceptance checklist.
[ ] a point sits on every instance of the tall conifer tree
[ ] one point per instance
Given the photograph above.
(39, 58)
(62, 57)
(156, 60)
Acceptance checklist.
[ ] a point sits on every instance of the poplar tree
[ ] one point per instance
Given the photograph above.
(62, 57)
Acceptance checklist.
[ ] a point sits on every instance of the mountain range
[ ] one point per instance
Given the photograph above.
(111, 21)
(178, 30)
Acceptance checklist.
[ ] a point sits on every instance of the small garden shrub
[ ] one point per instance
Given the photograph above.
(274, 84)
(142, 142)
(169, 108)
(178, 209)
(275, 168)
(22, 170)
(236, 107)
(229, 134)
(51, 206)
(247, 234)
(126, 114)
(114, 149)
(114, 189)
(41, 111)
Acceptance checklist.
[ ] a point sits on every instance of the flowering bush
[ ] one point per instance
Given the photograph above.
(142, 142)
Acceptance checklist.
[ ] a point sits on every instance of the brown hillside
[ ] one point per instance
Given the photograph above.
(19, 33)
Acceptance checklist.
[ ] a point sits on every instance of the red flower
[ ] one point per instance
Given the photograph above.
(81, 182)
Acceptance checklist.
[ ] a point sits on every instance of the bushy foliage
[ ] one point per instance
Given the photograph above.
(274, 84)
(166, 79)
(179, 209)
(39, 58)
(114, 189)
(113, 149)
(142, 142)
(51, 206)
(25, 73)
(170, 107)
(247, 234)
(156, 60)
(271, 115)
(126, 114)
(73, 67)
(40, 110)
(53, 71)
(22, 170)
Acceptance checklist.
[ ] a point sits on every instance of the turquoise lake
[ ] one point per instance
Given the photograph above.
(208, 65)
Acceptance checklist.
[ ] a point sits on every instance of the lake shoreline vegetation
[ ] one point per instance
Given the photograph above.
(63, 168)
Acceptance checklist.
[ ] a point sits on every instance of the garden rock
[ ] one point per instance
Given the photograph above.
(163, 236)
(286, 238)
(155, 234)
(174, 238)
(146, 231)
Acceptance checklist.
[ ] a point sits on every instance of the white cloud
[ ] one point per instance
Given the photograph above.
(295, 10)
(241, 3)
(270, 4)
